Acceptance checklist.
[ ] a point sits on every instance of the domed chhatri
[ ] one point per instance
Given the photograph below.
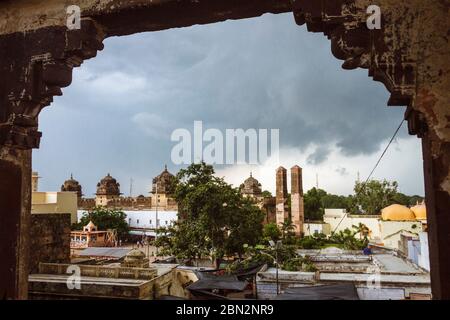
(420, 211)
(397, 212)
(251, 187)
(162, 184)
(135, 259)
(108, 186)
(135, 254)
(72, 185)
(108, 189)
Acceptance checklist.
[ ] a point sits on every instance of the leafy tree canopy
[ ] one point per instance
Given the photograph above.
(271, 232)
(373, 196)
(367, 199)
(266, 194)
(214, 219)
(104, 219)
(314, 208)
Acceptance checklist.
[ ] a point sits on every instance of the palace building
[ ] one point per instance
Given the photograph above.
(108, 194)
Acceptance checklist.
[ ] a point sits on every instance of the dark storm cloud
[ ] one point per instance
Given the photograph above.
(258, 73)
(342, 171)
(319, 155)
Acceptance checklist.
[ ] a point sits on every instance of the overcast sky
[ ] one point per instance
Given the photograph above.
(262, 73)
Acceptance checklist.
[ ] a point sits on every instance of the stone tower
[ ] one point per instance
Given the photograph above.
(73, 186)
(162, 190)
(251, 188)
(108, 189)
(282, 212)
(297, 205)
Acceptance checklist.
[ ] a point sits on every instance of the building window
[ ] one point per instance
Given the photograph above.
(129, 221)
(150, 221)
(137, 221)
(166, 221)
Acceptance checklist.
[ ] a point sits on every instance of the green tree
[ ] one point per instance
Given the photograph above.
(271, 232)
(104, 219)
(406, 200)
(370, 198)
(287, 231)
(221, 219)
(314, 209)
(266, 194)
(362, 230)
(183, 241)
(332, 201)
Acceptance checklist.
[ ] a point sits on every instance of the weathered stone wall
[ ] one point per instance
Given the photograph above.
(297, 203)
(49, 239)
(281, 194)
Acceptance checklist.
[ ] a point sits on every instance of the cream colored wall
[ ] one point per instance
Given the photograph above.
(390, 231)
(55, 202)
(162, 203)
(102, 200)
(310, 228)
(181, 277)
(386, 232)
(334, 216)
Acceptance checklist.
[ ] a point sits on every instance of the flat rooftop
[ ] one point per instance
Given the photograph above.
(386, 268)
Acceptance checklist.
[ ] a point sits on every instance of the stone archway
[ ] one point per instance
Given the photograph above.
(409, 54)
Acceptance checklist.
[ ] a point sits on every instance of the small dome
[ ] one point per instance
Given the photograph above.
(135, 253)
(251, 186)
(163, 182)
(134, 258)
(108, 186)
(420, 211)
(72, 185)
(397, 212)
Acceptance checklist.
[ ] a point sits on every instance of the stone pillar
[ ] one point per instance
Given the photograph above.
(297, 205)
(15, 207)
(436, 157)
(282, 213)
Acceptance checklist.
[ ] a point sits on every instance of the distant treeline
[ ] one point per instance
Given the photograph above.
(367, 199)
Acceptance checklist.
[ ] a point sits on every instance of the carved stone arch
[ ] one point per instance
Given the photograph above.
(409, 55)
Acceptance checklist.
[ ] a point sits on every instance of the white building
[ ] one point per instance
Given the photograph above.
(385, 229)
(312, 228)
(144, 221)
(339, 220)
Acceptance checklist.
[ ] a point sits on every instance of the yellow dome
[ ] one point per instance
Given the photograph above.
(420, 211)
(397, 212)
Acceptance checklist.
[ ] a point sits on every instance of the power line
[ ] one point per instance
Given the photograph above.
(374, 168)
(384, 152)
